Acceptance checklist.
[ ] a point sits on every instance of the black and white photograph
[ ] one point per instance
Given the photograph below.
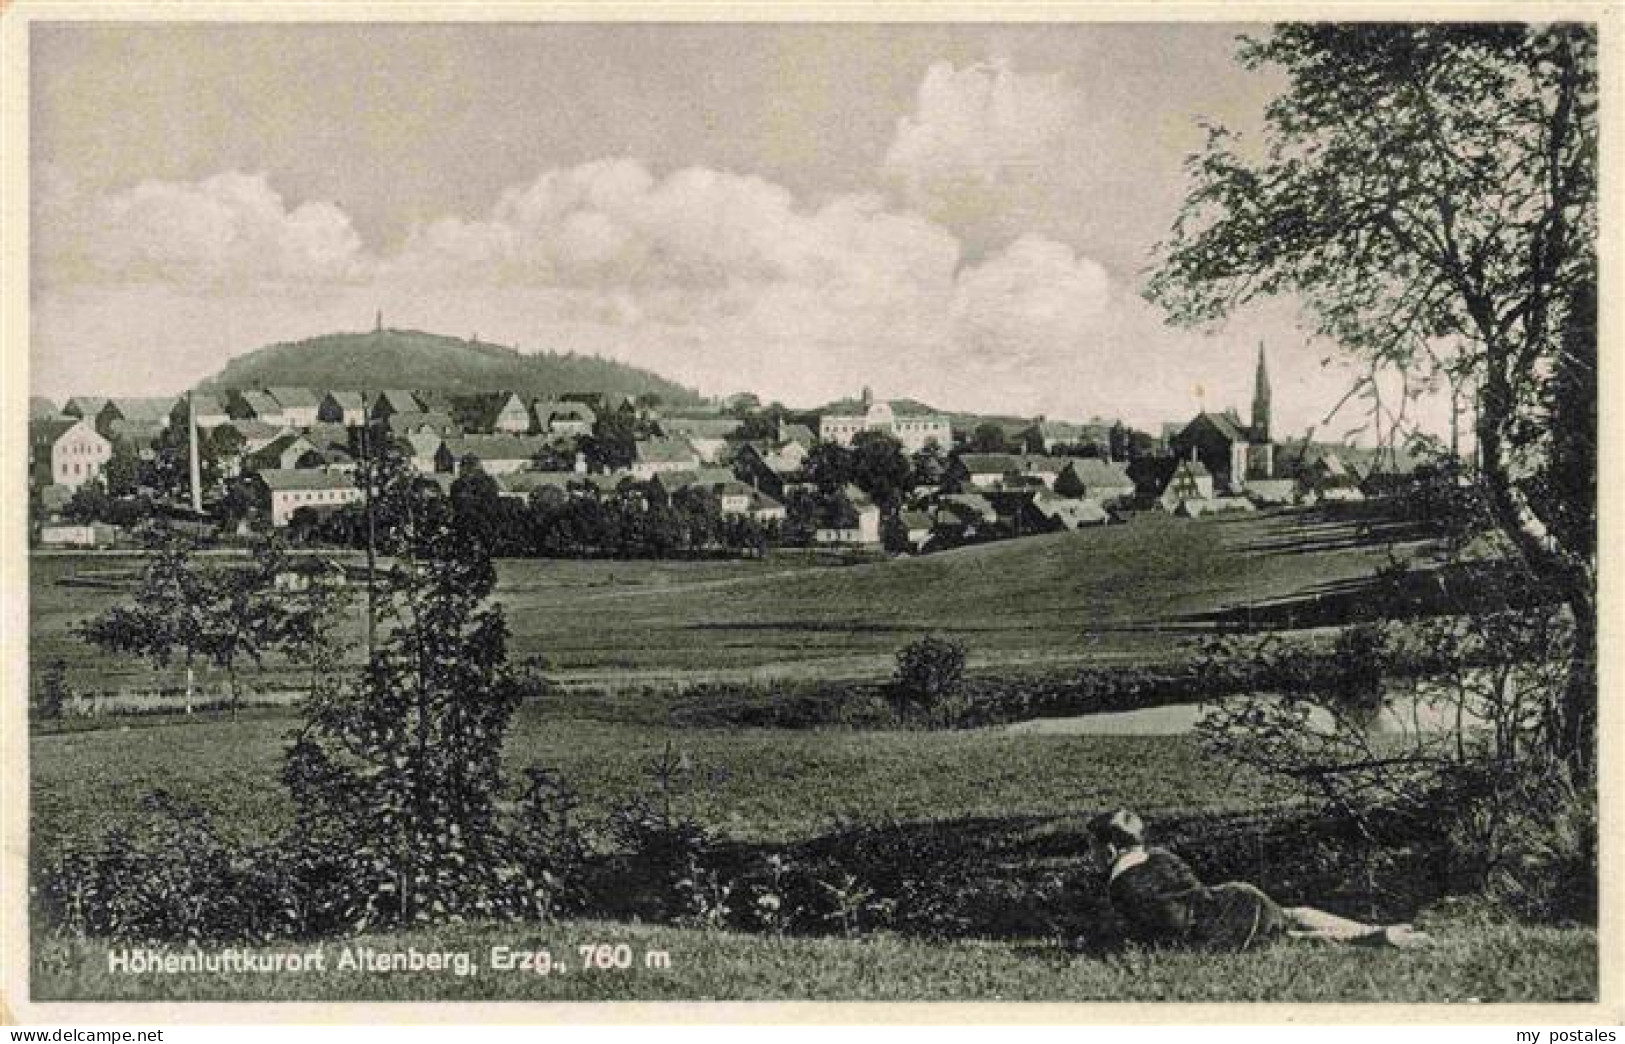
(773, 509)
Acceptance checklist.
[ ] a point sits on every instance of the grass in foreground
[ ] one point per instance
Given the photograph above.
(1476, 964)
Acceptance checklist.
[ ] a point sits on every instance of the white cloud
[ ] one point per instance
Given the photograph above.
(980, 125)
(719, 280)
(995, 154)
(1027, 303)
(612, 224)
(218, 233)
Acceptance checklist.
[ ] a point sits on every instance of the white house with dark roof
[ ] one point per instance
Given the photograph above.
(301, 407)
(858, 525)
(734, 497)
(764, 508)
(256, 435)
(708, 435)
(1190, 482)
(424, 451)
(1233, 452)
(795, 435)
(66, 451)
(670, 482)
(1328, 477)
(563, 419)
(392, 400)
(1090, 478)
(654, 456)
(1066, 513)
(497, 454)
(290, 490)
(917, 528)
(912, 427)
(988, 470)
(147, 412)
(348, 408)
(254, 404)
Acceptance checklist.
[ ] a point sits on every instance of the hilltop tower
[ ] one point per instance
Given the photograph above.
(1261, 400)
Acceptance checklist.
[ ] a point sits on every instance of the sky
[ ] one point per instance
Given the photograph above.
(959, 214)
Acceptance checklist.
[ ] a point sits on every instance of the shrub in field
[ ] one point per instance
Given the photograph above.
(930, 672)
(1535, 855)
(51, 697)
(168, 876)
(1357, 670)
(779, 704)
(770, 900)
(668, 854)
(550, 839)
(853, 905)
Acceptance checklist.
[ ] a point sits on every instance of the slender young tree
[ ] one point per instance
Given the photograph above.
(401, 769)
(225, 615)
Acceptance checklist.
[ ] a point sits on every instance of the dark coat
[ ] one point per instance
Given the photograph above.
(1163, 901)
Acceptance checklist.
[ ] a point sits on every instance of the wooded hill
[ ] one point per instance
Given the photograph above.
(413, 359)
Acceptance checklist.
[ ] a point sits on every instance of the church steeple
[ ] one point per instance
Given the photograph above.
(1261, 399)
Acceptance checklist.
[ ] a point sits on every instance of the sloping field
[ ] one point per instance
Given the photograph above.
(1129, 592)
(1126, 593)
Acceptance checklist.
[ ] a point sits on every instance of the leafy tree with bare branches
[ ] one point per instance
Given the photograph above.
(1429, 192)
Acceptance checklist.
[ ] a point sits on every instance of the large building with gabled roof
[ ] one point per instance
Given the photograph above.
(914, 427)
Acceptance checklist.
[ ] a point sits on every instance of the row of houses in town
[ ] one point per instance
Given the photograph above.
(300, 408)
(404, 410)
(301, 445)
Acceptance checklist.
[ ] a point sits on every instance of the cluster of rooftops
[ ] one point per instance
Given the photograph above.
(300, 443)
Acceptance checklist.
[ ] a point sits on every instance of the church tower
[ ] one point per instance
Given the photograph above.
(1261, 400)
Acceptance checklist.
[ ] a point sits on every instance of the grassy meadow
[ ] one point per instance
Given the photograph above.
(1005, 805)
(1124, 593)
(760, 785)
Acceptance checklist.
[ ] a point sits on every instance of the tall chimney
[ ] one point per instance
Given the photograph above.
(194, 466)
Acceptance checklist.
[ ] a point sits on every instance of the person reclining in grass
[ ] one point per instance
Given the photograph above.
(1162, 900)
